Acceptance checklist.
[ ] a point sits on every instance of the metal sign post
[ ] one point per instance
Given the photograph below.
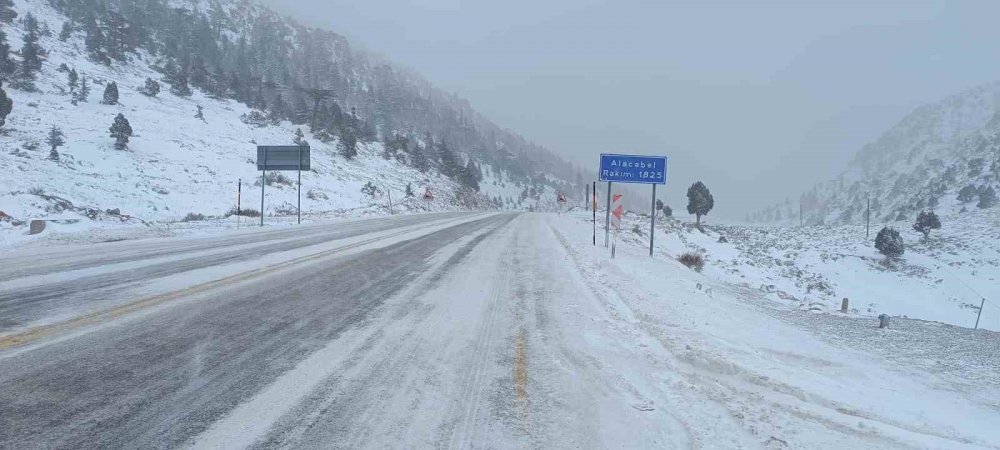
(607, 218)
(239, 197)
(298, 206)
(593, 207)
(634, 169)
(652, 221)
(282, 157)
(263, 182)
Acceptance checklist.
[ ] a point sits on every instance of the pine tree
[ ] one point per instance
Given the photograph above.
(66, 31)
(96, 42)
(987, 198)
(299, 137)
(419, 157)
(967, 194)
(200, 114)
(55, 139)
(449, 165)
(469, 176)
(667, 211)
(179, 85)
(72, 81)
(84, 89)
(32, 54)
(121, 130)
(6, 105)
(151, 88)
(110, 94)
(409, 191)
(927, 221)
(7, 13)
(348, 144)
(700, 201)
(7, 65)
(659, 205)
(889, 243)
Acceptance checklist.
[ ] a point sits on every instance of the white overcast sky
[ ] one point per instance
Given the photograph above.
(758, 99)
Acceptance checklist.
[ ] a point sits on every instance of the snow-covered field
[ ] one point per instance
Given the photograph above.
(815, 267)
(738, 367)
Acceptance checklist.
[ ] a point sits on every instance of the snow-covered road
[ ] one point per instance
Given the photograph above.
(459, 331)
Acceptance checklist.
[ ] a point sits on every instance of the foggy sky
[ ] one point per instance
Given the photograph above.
(758, 99)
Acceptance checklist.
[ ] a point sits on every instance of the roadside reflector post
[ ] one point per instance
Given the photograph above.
(981, 305)
(239, 196)
(844, 305)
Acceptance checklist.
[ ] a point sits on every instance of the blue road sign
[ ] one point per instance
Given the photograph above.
(634, 169)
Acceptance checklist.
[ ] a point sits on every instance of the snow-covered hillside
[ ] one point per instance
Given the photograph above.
(177, 164)
(813, 268)
(922, 163)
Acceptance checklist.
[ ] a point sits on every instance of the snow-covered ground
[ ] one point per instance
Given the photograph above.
(177, 164)
(815, 267)
(734, 367)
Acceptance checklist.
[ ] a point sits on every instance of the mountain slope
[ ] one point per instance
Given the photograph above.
(921, 163)
(177, 163)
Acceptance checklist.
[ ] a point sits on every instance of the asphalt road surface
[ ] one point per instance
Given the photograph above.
(420, 331)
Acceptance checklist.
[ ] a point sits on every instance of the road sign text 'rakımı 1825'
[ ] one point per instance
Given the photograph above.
(633, 169)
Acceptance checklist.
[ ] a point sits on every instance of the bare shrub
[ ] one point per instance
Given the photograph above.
(693, 261)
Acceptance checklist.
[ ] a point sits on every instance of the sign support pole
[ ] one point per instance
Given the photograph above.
(652, 221)
(239, 196)
(263, 182)
(593, 207)
(299, 206)
(607, 218)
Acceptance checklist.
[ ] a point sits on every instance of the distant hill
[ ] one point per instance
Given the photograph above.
(922, 163)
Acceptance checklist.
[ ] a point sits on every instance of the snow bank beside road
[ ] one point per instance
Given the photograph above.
(789, 381)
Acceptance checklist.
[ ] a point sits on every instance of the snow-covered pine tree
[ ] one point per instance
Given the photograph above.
(700, 201)
(967, 194)
(987, 198)
(348, 143)
(369, 189)
(927, 221)
(7, 13)
(7, 65)
(6, 105)
(121, 130)
(469, 176)
(84, 89)
(667, 211)
(889, 243)
(409, 191)
(659, 205)
(179, 84)
(95, 41)
(419, 159)
(200, 113)
(110, 94)
(32, 53)
(299, 137)
(66, 31)
(151, 88)
(73, 82)
(448, 163)
(118, 32)
(55, 139)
